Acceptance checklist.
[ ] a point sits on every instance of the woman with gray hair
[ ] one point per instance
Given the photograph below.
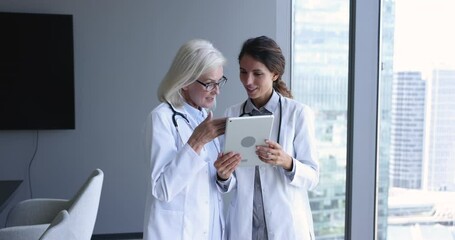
(182, 198)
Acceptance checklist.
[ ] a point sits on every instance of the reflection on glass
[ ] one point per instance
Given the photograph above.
(320, 80)
(416, 195)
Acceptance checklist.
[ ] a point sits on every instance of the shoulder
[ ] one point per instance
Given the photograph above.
(294, 105)
(161, 113)
(161, 110)
(234, 110)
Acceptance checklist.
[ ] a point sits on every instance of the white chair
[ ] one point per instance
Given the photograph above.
(49, 219)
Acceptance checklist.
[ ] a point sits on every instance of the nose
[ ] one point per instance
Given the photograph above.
(216, 90)
(247, 79)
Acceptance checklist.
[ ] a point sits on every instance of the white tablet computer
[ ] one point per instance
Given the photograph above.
(243, 134)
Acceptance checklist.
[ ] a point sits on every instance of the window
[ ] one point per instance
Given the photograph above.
(320, 43)
(416, 153)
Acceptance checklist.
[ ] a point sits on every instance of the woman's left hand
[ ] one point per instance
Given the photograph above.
(272, 153)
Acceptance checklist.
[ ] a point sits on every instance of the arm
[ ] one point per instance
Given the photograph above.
(305, 155)
(173, 162)
(226, 163)
(35, 211)
(23, 232)
(225, 166)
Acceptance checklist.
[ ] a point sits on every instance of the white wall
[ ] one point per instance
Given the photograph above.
(122, 50)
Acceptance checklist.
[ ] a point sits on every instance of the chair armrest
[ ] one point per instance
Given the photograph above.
(35, 211)
(23, 232)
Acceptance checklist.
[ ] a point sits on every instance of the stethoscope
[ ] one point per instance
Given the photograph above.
(279, 123)
(175, 113)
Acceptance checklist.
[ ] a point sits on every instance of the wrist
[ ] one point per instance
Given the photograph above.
(220, 178)
(195, 145)
(289, 165)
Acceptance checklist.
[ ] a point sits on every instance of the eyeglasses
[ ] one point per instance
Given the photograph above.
(210, 86)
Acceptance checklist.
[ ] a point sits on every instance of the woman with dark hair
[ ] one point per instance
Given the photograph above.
(271, 201)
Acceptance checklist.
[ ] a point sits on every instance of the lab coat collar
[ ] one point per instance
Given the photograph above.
(270, 106)
(195, 114)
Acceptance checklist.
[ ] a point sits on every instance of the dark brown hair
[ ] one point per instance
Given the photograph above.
(267, 51)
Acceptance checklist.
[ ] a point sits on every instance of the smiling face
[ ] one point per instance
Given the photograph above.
(196, 94)
(257, 80)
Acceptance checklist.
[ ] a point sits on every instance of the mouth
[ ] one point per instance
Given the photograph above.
(250, 90)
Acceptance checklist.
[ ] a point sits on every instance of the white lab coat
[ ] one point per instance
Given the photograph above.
(181, 186)
(286, 205)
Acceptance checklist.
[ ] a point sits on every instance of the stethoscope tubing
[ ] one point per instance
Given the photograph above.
(281, 116)
(176, 113)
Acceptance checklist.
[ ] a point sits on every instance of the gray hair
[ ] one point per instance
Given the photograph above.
(194, 58)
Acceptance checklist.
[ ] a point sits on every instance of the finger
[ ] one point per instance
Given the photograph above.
(220, 130)
(222, 158)
(232, 164)
(220, 121)
(209, 117)
(274, 152)
(270, 161)
(219, 125)
(272, 144)
(227, 170)
(263, 152)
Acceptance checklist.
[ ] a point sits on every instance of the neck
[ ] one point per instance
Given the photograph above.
(189, 101)
(261, 101)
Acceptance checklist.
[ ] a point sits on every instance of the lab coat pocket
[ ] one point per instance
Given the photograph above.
(168, 223)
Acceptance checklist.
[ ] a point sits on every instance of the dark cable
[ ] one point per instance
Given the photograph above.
(29, 167)
(30, 164)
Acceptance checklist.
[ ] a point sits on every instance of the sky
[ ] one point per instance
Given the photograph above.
(424, 35)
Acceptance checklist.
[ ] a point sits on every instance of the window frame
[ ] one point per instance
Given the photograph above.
(363, 73)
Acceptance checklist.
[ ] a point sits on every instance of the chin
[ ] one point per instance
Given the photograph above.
(210, 105)
(252, 93)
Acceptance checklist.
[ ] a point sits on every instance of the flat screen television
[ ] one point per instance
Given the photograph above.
(36, 71)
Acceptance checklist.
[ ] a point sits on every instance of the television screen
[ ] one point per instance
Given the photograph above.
(36, 71)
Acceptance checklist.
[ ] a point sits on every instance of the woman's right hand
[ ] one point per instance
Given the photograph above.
(226, 164)
(206, 131)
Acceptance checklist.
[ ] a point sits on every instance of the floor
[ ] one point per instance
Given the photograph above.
(118, 236)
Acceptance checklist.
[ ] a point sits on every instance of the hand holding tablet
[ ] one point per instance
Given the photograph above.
(243, 134)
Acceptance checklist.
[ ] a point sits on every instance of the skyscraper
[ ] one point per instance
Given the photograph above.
(407, 130)
(441, 133)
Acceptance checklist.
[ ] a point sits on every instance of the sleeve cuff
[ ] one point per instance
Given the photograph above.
(290, 174)
(224, 185)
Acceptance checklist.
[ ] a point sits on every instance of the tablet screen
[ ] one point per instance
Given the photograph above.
(243, 134)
